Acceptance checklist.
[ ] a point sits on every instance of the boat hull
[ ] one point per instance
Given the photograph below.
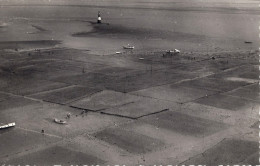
(7, 125)
(128, 47)
(60, 121)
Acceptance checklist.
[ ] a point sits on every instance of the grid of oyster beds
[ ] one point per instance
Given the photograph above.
(137, 105)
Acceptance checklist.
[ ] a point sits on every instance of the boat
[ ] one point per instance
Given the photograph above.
(169, 51)
(173, 51)
(59, 121)
(248, 42)
(128, 47)
(177, 51)
(4, 126)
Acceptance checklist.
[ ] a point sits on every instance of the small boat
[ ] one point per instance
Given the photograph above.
(177, 51)
(60, 121)
(248, 42)
(169, 51)
(7, 125)
(118, 52)
(173, 51)
(128, 47)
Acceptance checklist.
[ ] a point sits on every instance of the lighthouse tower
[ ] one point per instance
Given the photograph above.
(99, 18)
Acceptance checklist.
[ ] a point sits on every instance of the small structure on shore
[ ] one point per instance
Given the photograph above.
(99, 18)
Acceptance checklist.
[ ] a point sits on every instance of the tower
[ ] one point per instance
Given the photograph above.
(99, 18)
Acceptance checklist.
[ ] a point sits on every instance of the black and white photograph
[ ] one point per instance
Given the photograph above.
(129, 82)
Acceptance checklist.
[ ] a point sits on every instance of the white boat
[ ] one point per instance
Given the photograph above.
(60, 121)
(177, 51)
(7, 125)
(128, 47)
(173, 51)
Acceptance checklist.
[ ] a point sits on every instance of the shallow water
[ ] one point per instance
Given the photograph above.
(216, 24)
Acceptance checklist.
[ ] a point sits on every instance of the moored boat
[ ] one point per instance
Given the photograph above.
(4, 126)
(173, 51)
(128, 47)
(60, 121)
